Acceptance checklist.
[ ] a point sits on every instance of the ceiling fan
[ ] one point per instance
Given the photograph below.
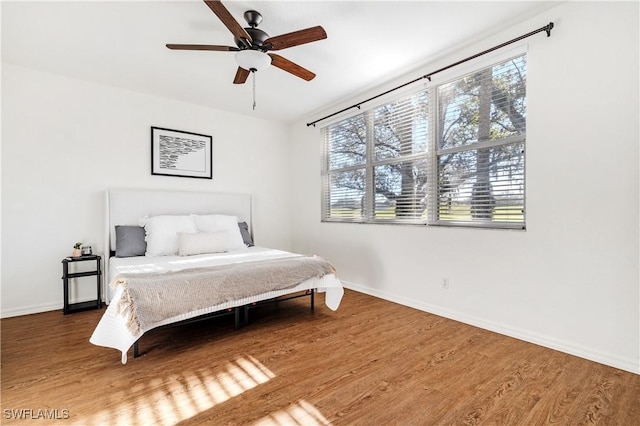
(252, 44)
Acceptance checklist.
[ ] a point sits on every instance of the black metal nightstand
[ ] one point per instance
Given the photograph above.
(81, 306)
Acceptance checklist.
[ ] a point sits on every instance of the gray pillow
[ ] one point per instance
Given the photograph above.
(130, 241)
(246, 236)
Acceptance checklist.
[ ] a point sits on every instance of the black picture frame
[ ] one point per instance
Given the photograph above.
(181, 154)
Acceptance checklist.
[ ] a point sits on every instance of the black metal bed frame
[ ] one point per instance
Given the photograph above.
(236, 311)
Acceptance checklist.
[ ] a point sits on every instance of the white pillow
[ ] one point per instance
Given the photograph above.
(220, 222)
(162, 233)
(202, 242)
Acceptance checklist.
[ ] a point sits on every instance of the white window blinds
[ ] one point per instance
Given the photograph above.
(345, 173)
(375, 164)
(480, 148)
(449, 155)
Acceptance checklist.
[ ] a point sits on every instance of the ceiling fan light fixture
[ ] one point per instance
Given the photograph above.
(253, 60)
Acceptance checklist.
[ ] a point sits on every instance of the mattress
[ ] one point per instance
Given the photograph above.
(112, 330)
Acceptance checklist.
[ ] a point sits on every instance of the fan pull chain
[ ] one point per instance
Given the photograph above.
(254, 90)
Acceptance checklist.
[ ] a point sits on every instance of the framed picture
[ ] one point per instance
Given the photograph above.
(178, 153)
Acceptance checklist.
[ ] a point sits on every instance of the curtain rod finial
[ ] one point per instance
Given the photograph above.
(549, 28)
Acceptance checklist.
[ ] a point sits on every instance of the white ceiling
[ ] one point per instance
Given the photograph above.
(122, 43)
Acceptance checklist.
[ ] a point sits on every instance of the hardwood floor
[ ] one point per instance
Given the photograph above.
(372, 362)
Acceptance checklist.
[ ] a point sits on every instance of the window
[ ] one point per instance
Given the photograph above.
(452, 154)
(376, 164)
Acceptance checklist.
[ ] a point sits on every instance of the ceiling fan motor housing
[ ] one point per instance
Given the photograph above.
(257, 38)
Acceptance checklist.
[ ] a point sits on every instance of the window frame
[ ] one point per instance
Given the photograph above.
(429, 214)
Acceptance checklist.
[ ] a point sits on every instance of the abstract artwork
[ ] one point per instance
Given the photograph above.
(179, 153)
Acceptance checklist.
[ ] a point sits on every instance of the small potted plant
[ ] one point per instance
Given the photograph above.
(76, 250)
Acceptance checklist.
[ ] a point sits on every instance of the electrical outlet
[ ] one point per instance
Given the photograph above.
(445, 283)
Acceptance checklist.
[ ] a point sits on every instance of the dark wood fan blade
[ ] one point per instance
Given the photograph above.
(295, 38)
(241, 76)
(291, 67)
(223, 14)
(202, 47)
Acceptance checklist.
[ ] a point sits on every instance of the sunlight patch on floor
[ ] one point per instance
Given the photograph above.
(301, 413)
(172, 399)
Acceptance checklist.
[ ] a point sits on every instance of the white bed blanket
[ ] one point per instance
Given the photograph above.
(112, 330)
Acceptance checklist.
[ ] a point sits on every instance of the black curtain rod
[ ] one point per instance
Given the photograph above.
(546, 28)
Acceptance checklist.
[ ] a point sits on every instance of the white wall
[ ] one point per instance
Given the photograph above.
(65, 141)
(571, 280)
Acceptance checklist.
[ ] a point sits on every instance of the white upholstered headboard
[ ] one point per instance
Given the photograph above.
(127, 206)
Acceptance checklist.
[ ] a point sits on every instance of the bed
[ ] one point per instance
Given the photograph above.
(153, 286)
